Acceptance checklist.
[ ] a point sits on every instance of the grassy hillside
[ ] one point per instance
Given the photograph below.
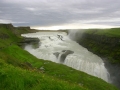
(113, 32)
(19, 70)
(7, 36)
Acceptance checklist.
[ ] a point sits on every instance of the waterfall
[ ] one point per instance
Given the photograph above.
(57, 47)
(92, 68)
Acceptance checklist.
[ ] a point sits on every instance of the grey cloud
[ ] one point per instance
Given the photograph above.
(56, 12)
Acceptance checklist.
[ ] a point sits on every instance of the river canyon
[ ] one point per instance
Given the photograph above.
(59, 48)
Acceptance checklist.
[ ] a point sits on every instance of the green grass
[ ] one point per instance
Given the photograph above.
(15, 78)
(19, 70)
(114, 32)
(52, 69)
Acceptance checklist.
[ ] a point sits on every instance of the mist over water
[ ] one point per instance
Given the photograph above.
(59, 48)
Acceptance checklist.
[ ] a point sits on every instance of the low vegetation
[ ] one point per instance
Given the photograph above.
(113, 32)
(104, 42)
(19, 70)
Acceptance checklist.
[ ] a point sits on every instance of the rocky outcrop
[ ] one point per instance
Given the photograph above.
(62, 55)
(31, 41)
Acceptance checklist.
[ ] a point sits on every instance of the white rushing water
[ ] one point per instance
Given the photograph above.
(57, 47)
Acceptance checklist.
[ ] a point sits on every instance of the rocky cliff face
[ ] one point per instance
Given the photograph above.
(108, 48)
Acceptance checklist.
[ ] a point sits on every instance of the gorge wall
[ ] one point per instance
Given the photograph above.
(105, 46)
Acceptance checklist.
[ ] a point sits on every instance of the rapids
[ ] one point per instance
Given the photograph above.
(59, 48)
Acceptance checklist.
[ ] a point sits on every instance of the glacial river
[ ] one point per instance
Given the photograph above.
(59, 48)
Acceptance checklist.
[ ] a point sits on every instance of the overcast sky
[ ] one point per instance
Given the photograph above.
(58, 14)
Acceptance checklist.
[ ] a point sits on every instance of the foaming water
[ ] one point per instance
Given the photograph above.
(57, 47)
